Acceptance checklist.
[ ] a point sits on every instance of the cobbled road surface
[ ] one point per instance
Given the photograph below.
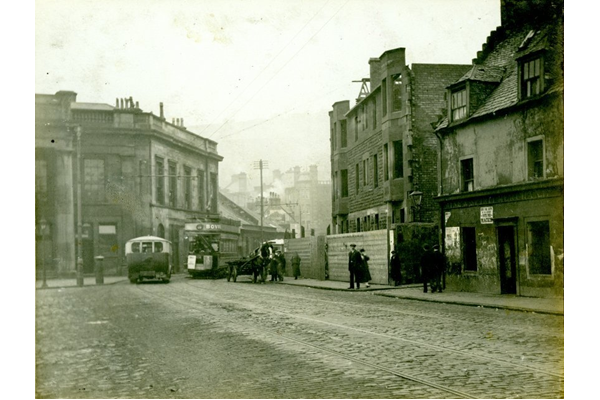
(196, 338)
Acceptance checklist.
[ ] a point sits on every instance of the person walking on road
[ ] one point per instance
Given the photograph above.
(354, 265)
(296, 265)
(396, 273)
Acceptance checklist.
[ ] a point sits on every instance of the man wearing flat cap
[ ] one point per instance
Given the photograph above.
(354, 261)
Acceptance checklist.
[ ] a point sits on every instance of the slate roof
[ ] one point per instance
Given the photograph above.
(500, 66)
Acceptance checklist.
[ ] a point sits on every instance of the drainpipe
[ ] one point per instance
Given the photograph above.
(442, 233)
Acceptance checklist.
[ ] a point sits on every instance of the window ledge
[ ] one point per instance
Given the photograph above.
(540, 276)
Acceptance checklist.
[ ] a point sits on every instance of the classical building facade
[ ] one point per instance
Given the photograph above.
(502, 161)
(384, 150)
(138, 175)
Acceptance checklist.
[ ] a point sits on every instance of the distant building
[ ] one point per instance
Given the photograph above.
(250, 232)
(502, 161)
(140, 175)
(289, 199)
(384, 150)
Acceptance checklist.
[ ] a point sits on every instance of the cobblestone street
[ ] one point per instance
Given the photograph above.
(214, 339)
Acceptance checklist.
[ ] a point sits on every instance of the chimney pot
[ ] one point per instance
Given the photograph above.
(162, 111)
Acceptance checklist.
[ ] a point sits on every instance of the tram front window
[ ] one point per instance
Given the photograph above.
(146, 247)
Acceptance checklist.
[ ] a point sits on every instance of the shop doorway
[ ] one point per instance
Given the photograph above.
(507, 259)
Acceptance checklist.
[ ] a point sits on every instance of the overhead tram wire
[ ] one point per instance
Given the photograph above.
(278, 115)
(265, 68)
(277, 72)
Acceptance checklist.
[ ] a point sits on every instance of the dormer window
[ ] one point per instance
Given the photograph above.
(531, 77)
(458, 106)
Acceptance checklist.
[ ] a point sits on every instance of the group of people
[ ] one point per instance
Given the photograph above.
(274, 262)
(433, 265)
(358, 265)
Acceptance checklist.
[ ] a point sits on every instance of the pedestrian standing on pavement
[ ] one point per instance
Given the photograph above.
(354, 261)
(395, 268)
(427, 266)
(296, 265)
(365, 274)
(439, 265)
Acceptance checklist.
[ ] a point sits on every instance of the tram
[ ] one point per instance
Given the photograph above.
(210, 244)
(148, 257)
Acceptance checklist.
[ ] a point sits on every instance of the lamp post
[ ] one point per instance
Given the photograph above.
(416, 199)
(43, 226)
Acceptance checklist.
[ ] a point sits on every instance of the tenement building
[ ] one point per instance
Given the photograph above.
(384, 150)
(502, 162)
(126, 172)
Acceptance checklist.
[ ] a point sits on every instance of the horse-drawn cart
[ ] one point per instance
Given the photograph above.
(252, 266)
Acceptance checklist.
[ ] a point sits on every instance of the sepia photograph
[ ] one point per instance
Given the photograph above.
(299, 199)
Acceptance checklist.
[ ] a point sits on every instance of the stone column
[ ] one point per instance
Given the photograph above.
(64, 212)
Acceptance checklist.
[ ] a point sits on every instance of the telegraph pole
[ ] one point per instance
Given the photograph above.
(79, 222)
(260, 165)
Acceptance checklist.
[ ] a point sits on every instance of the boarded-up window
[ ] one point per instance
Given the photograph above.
(539, 248)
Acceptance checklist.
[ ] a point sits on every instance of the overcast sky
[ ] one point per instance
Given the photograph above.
(259, 77)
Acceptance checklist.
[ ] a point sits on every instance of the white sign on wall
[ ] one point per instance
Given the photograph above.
(487, 215)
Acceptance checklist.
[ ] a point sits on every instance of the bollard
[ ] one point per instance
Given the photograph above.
(99, 269)
(79, 271)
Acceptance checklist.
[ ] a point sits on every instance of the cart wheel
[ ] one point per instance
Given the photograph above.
(235, 272)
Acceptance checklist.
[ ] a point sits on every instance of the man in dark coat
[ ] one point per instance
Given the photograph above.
(395, 268)
(354, 265)
(296, 265)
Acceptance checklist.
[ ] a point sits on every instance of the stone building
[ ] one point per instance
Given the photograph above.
(384, 150)
(139, 175)
(502, 162)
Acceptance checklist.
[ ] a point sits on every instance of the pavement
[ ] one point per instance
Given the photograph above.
(553, 306)
(62, 283)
